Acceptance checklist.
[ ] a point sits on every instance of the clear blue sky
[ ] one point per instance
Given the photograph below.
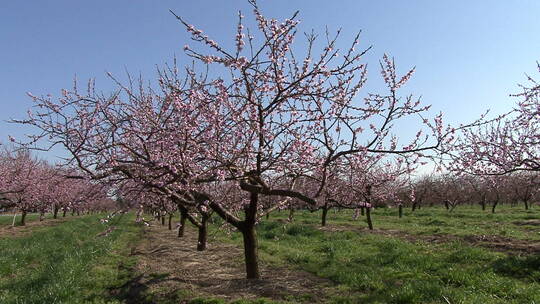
(469, 54)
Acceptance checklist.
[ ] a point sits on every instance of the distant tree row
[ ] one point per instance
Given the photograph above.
(30, 185)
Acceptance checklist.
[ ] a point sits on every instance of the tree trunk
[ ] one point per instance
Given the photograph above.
(73, 212)
(55, 212)
(291, 214)
(368, 218)
(483, 206)
(23, 218)
(526, 205)
(356, 214)
(64, 213)
(203, 233)
(493, 207)
(182, 226)
(250, 252)
(170, 219)
(250, 238)
(162, 220)
(41, 216)
(268, 216)
(400, 211)
(446, 205)
(362, 211)
(324, 213)
(413, 206)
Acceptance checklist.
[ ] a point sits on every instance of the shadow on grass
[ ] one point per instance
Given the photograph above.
(131, 292)
(519, 267)
(138, 289)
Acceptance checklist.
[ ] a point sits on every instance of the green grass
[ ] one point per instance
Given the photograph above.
(372, 268)
(7, 220)
(463, 221)
(67, 263)
(221, 301)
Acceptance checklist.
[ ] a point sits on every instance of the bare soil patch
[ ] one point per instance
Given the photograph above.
(168, 265)
(532, 222)
(504, 244)
(18, 231)
(494, 242)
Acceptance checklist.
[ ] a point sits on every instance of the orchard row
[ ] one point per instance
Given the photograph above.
(267, 124)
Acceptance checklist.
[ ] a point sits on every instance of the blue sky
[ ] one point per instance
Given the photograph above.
(469, 55)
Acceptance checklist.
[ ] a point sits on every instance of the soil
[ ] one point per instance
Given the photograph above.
(533, 222)
(494, 242)
(168, 265)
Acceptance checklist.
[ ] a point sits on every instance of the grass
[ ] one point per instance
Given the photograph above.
(7, 219)
(463, 221)
(66, 263)
(373, 268)
(221, 301)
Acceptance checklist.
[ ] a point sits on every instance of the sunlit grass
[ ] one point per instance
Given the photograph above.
(373, 268)
(7, 219)
(66, 263)
(462, 221)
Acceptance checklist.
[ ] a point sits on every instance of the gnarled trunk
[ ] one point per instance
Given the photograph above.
(291, 213)
(182, 226)
(368, 218)
(324, 214)
(23, 218)
(203, 233)
(494, 206)
(250, 238)
(170, 219)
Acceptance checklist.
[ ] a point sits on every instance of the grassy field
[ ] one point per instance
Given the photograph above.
(379, 268)
(429, 256)
(7, 219)
(66, 263)
(513, 222)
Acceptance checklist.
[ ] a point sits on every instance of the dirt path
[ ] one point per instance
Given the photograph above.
(168, 265)
(495, 242)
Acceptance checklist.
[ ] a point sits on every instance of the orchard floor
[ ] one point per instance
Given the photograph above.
(170, 269)
(32, 225)
(428, 256)
(493, 242)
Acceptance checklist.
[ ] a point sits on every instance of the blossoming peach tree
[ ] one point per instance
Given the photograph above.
(32, 185)
(259, 117)
(509, 143)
